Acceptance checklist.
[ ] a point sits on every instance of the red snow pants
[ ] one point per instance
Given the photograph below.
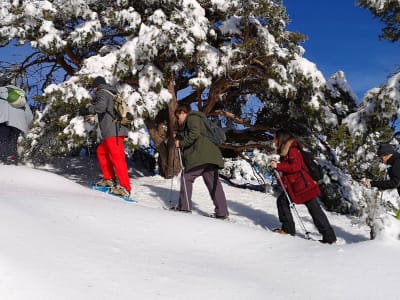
(111, 157)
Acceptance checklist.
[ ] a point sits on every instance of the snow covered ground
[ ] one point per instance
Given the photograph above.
(61, 240)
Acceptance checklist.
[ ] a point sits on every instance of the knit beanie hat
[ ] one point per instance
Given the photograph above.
(385, 149)
(5, 79)
(97, 81)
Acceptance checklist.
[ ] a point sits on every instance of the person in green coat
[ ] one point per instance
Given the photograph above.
(201, 157)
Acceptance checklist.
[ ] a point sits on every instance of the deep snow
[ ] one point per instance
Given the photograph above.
(61, 240)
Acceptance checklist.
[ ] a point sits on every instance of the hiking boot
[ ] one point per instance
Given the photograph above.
(280, 231)
(176, 208)
(106, 182)
(327, 242)
(120, 191)
(219, 217)
(12, 160)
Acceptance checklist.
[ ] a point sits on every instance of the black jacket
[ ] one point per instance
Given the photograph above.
(394, 175)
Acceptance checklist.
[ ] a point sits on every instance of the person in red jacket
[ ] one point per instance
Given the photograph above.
(302, 189)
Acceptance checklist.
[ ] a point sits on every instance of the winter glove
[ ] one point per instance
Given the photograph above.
(273, 164)
(366, 182)
(91, 119)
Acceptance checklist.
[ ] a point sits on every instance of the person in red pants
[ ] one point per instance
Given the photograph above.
(110, 152)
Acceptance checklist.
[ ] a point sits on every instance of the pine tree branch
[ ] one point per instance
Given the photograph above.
(74, 58)
(238, 120)
(241, 148)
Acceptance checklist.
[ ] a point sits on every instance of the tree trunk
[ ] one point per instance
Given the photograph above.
(162, 133)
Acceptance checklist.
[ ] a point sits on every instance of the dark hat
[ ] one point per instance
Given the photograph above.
(385, 149)
(97, 81)
(5, 79)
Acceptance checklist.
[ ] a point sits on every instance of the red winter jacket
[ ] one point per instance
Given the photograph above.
(299, 184)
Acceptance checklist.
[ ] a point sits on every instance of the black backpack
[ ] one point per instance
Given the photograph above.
(215, 133)
(314, 168)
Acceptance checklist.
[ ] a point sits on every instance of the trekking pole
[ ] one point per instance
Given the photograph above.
(183, 177)
(91, 164)
(88, 147)
(172, 179)
(292, 205)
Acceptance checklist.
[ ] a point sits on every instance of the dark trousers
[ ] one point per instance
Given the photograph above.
(209, 172)
(317, 214)
(8, 143)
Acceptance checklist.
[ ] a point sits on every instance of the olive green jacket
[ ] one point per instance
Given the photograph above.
(197, 148)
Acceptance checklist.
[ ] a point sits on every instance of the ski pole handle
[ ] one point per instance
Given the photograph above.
(278, 176)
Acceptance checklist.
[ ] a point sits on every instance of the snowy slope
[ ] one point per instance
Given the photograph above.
(60, 240)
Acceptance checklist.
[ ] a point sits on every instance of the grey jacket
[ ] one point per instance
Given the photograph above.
(20, 118)
(104, 108)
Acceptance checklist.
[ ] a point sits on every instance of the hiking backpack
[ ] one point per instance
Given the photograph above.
(215, 133)
(314, 168)
(121, 111)
(15, 96)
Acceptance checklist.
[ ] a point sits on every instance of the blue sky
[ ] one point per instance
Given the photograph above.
(343, 36)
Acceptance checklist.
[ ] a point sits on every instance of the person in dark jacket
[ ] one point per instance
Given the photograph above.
(13, 122)
(110, 152)
(302, 189)
(201, 158)
(389, 156)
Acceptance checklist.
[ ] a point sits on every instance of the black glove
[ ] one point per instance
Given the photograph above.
(83, 111)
